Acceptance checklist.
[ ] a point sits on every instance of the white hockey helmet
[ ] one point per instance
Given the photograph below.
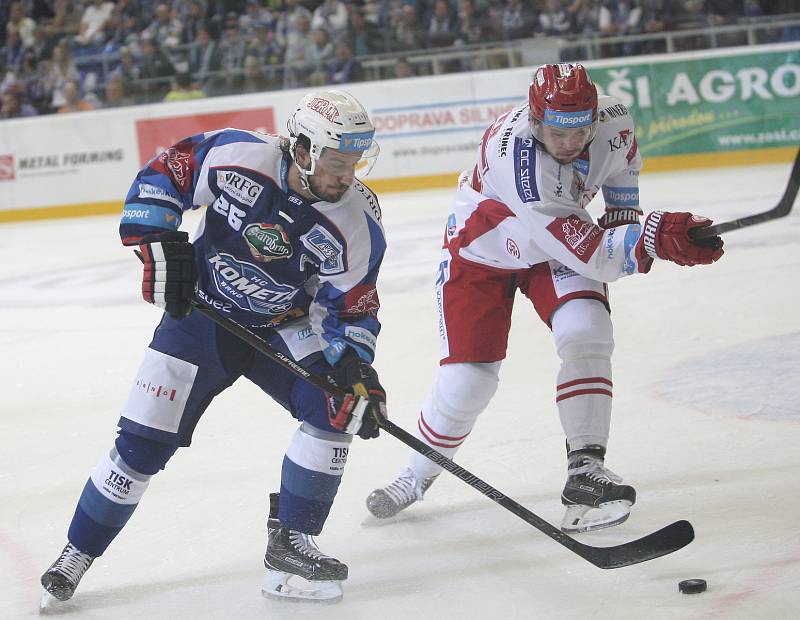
(336, 120)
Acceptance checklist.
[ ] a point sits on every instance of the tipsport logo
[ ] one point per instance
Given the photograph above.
(557, 118)
(355, 142)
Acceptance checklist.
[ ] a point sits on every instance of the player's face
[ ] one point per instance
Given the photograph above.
(334, 174)
(565, 144)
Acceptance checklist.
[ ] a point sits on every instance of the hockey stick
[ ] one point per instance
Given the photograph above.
(664, 541)
(783, 208)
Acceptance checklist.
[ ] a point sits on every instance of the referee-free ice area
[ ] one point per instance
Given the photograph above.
(706, 426)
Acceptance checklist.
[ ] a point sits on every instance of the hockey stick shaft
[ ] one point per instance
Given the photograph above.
(664, 541)
(783, 208)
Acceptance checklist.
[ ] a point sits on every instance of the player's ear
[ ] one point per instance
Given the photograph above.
(302, 157)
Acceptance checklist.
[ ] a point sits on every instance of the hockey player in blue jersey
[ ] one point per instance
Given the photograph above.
(290, 246)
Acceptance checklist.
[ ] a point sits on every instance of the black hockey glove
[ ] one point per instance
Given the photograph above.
(365, 400)
(169, 272)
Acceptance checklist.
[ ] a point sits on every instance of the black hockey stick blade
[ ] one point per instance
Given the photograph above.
(664, 541)
(782, 209)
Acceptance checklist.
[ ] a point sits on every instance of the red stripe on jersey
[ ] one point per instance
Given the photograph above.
(584, 380)
(583, 393)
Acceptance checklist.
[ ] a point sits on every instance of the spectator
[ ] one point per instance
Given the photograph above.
(115, 96)
(554, 20)
(194, 21)
(469, 27)
(344, 68)
(43, 43)
(255, 17)
(128, 68)
(441, 26)
(295, 60)
(407, 30)
(364, 37)
(73, 102)
(252, 78)
(154, 69)
(165, 29)
(287, 27)
(332, 16)
(514, 23)
(61, 70)
(403, 68)
(204, 57)
(233, 46)
(319, 55)
(23, 23)
(14, 49)
(183, 89)
(92, 23)
(13, 106)
(126, 34)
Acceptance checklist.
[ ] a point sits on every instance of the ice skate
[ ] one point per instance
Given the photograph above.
(62, 578)
(593, 495)
(297, 569)
(398, 494)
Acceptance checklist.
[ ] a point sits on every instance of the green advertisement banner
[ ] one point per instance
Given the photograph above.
(710, 104)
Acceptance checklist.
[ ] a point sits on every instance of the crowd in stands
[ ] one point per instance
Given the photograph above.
(73, 55)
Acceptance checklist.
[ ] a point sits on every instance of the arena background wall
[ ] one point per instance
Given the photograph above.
(737, 106)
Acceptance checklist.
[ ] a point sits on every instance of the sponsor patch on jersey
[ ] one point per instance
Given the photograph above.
(361, 300)
(178, 163)
(621, 196)
(355, 142)
(267, 242)
(150, 215)
(619, 141)
(632, 235)
(240, 187)
(580, 237)
(158, 193)
(557, 118)
(581, 165)
(561, 273)
(525, 170)
(249, 287)
(361, 336)
(451, 225)
(614, 111)
(325, 246)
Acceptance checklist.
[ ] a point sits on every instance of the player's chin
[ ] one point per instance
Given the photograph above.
(567, 159)
(334, 195)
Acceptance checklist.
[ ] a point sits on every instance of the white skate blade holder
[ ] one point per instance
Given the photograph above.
(276, 586)
(579, 518)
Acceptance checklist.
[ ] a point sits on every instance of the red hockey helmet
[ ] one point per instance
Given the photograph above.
(562, 96)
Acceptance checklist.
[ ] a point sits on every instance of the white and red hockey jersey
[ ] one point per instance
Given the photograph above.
(519, 206)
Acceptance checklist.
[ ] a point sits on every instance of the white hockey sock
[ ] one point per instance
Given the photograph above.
(584, 340)
(459, 394)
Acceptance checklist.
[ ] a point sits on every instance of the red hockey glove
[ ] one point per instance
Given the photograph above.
(169, 272)
(614, 216)
(365, 400)
(666, 235)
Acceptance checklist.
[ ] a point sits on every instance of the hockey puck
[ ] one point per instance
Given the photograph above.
(692, 586)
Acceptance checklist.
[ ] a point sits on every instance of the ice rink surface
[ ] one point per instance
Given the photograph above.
(706, 426)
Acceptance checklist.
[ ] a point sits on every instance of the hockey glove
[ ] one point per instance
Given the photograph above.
(615, 216)
(666, 236)
(365, 400)
(169, 272)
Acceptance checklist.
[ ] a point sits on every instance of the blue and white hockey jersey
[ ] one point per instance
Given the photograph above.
(265, 255)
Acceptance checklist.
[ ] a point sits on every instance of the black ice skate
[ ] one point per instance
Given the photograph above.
(593, 495)
(398, 494)
(293, 555)
(62, 578)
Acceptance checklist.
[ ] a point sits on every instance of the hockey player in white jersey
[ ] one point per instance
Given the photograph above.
(290, 246)
(519, 223)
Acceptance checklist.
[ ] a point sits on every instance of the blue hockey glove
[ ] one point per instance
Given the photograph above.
(169, 272)
(366, 398)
